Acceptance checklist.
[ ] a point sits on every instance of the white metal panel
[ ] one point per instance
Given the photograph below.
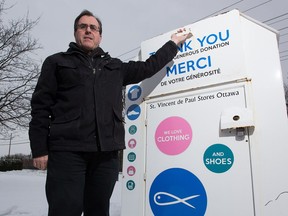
(228, 191)
(269, 140)
(213, 55)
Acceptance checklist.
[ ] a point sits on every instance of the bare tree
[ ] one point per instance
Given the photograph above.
(18, 71)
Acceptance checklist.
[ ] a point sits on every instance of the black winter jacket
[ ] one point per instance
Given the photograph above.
(77, 102)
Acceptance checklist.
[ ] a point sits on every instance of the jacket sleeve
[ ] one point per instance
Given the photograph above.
(136, 71)
(41, 102)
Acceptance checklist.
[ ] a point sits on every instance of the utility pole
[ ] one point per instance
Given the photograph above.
(10, 143)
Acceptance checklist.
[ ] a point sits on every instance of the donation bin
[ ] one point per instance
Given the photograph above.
(208, 134)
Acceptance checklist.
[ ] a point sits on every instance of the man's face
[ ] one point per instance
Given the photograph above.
(87, 35)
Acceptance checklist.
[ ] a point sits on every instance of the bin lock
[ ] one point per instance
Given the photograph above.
(236, 118)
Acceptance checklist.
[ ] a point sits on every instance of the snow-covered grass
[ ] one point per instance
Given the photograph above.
(23, 193)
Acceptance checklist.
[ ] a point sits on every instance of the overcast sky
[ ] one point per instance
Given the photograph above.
(126, 23)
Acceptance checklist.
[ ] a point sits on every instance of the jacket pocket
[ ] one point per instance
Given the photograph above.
(65, 127)
(69, 75)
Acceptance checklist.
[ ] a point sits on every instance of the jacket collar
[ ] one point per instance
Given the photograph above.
(98, 52)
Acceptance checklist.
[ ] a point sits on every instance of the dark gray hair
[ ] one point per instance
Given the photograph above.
(87, 13)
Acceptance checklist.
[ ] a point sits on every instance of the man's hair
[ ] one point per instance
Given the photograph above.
(87, 13)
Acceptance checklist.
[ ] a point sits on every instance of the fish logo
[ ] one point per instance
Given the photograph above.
(177, 191)
(158, 198)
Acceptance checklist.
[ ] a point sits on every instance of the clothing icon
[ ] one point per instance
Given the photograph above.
(134, 92)
(131, 170)
(132, 129)
(133, 112)
(132, 143)
(131, 157)
(130, 185)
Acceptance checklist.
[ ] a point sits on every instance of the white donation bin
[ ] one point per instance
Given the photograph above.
(208, 134)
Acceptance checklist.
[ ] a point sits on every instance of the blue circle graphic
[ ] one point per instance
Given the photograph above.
(133, 112)
(177, 191)
(134, 92)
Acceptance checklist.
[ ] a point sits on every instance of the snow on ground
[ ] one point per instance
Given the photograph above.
(23, 193)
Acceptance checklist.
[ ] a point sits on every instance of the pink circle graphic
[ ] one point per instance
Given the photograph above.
(132, 143)
(131, 170)
(173, 135)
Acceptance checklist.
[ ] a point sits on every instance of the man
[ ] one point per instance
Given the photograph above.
(77, 118)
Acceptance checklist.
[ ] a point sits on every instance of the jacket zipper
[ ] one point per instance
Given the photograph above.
(91, 60)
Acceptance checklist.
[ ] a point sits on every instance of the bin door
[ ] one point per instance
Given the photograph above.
(193, 166)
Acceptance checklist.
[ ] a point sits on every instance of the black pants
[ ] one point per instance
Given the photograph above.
(81, 182)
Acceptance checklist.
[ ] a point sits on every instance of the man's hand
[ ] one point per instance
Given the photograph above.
(40, 162)
(181, 35)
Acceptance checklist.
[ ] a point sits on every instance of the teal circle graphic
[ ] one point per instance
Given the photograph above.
(131, 157)
(130, 185)
(218, 158)
(132, 129)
